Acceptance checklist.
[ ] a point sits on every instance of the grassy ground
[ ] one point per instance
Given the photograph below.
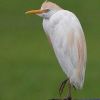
(28, 67)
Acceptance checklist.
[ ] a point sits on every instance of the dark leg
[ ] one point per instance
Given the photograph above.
(62, 86)
(69, 97)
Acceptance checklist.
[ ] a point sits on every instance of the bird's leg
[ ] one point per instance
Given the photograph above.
(69, 91)
(62, 86)
(67, 81)
(74, 87)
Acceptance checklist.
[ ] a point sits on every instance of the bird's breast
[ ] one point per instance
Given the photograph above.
(66, 35)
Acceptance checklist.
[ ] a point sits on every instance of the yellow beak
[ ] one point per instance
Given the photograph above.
(36, 11)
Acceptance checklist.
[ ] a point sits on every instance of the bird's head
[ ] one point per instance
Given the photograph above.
(46, 11)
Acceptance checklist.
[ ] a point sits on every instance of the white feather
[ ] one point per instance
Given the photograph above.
(64, 31)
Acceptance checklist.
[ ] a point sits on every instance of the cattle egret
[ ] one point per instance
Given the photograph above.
(66, 35)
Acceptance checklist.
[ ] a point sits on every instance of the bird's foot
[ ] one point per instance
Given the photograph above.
(67, 98)
(62, 86)
(55, 99)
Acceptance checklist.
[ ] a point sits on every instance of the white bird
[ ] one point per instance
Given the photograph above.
(66, 35)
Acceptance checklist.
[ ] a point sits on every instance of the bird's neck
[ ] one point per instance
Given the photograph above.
(51, 13)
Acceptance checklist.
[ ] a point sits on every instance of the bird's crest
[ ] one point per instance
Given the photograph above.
(46, 0)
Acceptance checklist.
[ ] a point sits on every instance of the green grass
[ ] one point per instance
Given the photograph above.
(28, 67)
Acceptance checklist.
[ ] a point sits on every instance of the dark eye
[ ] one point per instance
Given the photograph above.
(48, 10)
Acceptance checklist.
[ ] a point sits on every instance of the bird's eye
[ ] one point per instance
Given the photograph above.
(48, 10)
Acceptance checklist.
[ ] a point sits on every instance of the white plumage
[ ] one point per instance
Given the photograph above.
(67, 38)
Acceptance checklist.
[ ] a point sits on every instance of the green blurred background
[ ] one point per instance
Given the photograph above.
(28, 67)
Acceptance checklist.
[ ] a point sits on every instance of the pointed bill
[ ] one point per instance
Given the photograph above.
(36, 11)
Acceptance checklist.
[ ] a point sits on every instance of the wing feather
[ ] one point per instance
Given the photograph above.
(68, 41)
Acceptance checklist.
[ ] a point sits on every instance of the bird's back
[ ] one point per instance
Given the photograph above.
(68, 41)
